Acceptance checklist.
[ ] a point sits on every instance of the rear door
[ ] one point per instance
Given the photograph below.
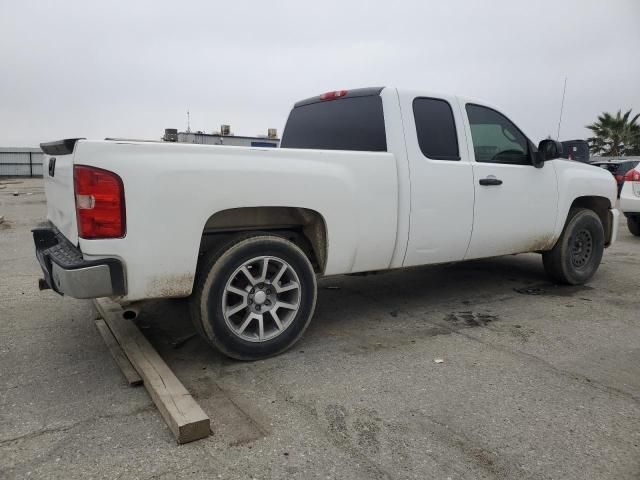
(441, 195)
(57, 171)
(515, 203)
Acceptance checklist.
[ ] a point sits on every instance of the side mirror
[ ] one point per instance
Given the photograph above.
(548, 150)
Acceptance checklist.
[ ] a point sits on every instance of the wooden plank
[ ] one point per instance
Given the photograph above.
(183, 415)
(118, 355)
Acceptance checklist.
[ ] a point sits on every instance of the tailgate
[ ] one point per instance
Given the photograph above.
(58, 186)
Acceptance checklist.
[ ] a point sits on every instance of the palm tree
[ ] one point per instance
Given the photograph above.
(615, 135)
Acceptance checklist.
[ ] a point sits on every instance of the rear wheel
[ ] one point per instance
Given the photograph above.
(255, 297)
(634, 225)
(577, 254)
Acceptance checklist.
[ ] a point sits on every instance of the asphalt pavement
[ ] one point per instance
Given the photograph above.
(477, 370)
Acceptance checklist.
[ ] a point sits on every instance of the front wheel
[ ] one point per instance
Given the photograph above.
(576, 256)
(634, 225)
(255, 297)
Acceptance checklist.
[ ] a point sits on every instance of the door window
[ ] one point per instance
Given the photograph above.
(495, 138)
(436, 129)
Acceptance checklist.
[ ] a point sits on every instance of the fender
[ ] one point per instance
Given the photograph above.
(577, 181)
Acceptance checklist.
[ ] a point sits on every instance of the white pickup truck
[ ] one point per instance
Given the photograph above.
(365, 180)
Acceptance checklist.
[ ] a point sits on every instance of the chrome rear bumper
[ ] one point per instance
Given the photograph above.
(68, 273)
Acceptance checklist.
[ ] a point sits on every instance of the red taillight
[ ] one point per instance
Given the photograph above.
(333, 95)
(632, 175)
(99, 203)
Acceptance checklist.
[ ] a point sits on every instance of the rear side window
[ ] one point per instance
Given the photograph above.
(355, 123)
(624, 167)
(436, 129)
(612, 167)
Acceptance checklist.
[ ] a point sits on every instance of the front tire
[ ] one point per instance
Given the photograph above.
(255, 297)
(634, 225)
(577, 254)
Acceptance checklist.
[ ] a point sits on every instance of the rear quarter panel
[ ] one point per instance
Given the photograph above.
(172, 189)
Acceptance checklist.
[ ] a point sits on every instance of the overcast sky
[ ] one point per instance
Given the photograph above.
(131, 68)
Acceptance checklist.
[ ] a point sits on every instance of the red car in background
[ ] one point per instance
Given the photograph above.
(618, 169)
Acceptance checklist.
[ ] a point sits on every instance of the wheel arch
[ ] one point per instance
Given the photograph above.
(601, 206)
(305, 227)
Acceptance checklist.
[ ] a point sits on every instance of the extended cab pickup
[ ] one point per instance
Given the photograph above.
(365, 180)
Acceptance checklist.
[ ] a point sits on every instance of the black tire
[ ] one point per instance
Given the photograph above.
(634, 225)
(576, 256)
(219, 267)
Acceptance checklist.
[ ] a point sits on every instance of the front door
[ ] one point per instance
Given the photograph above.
(515, 203)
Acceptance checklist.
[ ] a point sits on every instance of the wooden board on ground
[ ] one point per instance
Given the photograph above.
(118, 355)
(183, 415)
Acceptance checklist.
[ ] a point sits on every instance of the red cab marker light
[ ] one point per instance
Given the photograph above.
(333, 95)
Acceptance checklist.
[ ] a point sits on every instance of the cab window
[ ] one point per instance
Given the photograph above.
(436, 128)
(348, 123)
(495, 138)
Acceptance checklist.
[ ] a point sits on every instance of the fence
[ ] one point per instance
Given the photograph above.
(20, 162)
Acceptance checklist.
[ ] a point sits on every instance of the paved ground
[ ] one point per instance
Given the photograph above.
(532, 386)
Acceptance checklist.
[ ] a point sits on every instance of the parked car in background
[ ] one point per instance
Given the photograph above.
(630, 199)
(618, 168)
(576, 150)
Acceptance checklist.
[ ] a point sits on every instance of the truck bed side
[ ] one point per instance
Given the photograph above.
(171, 190)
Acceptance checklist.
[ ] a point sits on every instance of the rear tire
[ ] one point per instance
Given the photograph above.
(254, 297)
(576, 256)
(634, 225)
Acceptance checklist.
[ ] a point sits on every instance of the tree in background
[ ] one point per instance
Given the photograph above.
(615, 136)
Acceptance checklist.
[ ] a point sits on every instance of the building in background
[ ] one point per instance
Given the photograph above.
(20, 162)
(27, 161)
(223, 137)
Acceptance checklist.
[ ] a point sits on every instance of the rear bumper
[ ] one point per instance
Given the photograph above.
(68, 273)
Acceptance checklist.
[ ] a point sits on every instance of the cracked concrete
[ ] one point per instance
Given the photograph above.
(531, 387)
